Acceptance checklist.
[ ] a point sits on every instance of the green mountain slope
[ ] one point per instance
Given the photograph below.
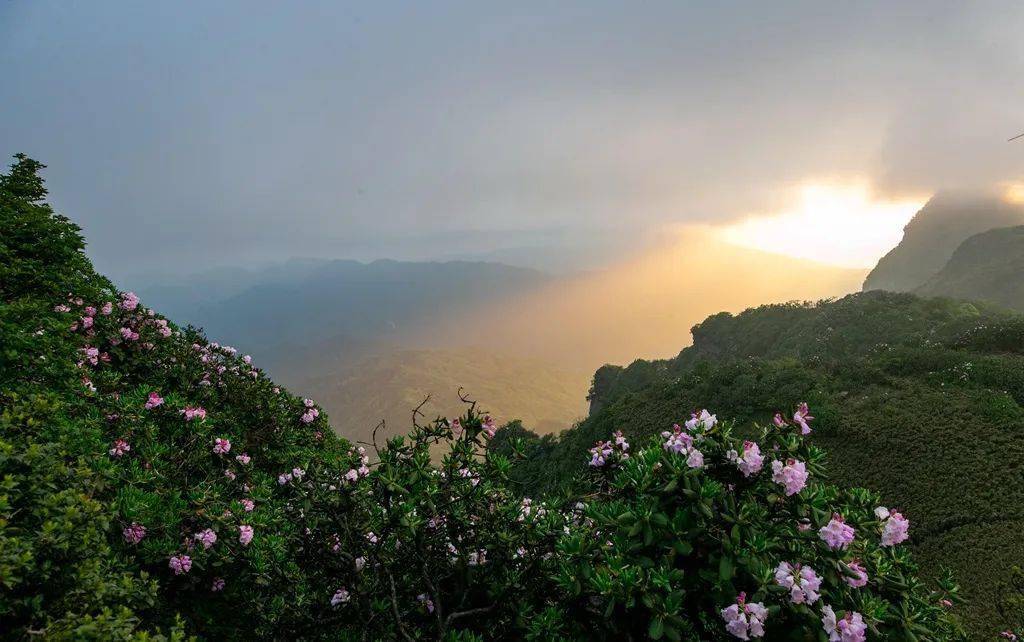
(931, 237)
(114, 464)
(921, 400)
(987, 267)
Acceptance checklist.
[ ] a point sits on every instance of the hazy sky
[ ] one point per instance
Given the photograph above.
(196, 133)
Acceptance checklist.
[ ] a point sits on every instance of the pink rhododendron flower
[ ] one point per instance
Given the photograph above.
(837, 534)
(703, 420)
(107, 308)
(341, 596)
(119, 448)
(61, 308)
(92, 355)
(802, 416)
(895, 527)
(680, 442)
(129, 334)
(425, 600)
(849, 629)
(194, 412)
(599, 454)
(489, 428)
(778, 420)
(750, 462)
(309, 416)
(180, 564)
(221, 446)
(352, 475)
(372, 537)
(245, 534)
(129, 301)
(133, 533)
(243, 459)
(456, 427)
(745, 621)
(248, 505)
(803, 583)
(207, 538)
(477, 558)
(284, 478)
(792, 475)
(360, 563)
(86, 322)
(154, 400)
(217, 585)
(230, 474)
(862, 575)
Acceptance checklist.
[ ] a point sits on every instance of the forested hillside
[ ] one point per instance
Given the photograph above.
(986, 267)
(919, 399)
(156, 485)
(931, 237)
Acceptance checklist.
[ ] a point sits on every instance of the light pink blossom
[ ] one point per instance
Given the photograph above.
(243, 459)
(861, 578)
(743, 620)
(194, 412)
(850, 628)
(154, 401)
(206, 537)
(133, 533)
(245, 534)
(341, 596)
(119, 448)
(129, 301)
(703, 420)
(750, 462)
(802, 416)
(792, 475)
(803, 583)
(895, 527)
(221, 446)
(217, 585)
(837, 534)
(180, 564)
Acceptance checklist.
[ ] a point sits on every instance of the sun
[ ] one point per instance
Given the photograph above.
(839, 223)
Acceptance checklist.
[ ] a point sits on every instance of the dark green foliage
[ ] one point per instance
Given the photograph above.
(921, 400)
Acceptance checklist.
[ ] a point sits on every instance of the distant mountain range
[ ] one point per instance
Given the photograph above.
(284, 313)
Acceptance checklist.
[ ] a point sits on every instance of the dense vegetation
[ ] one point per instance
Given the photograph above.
(157, 485)
(987, 267)
(921, 400)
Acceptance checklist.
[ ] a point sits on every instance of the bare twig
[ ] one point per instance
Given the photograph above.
(467, 613)
(394, 609)
(1015, 138)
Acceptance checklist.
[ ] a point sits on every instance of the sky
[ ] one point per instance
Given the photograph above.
(190, 134)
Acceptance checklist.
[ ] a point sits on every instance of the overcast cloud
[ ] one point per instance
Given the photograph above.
(198, 133)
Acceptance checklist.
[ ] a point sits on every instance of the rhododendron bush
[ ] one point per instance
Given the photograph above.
(158, 485)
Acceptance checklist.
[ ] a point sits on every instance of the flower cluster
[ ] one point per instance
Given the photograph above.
(750, 462)
(609, 452)
(895, 527)
(680, 442)
(850, 628)
(803, 583)
(792, 475)
(745, 620)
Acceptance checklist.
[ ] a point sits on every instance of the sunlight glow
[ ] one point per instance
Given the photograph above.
(837, 223)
